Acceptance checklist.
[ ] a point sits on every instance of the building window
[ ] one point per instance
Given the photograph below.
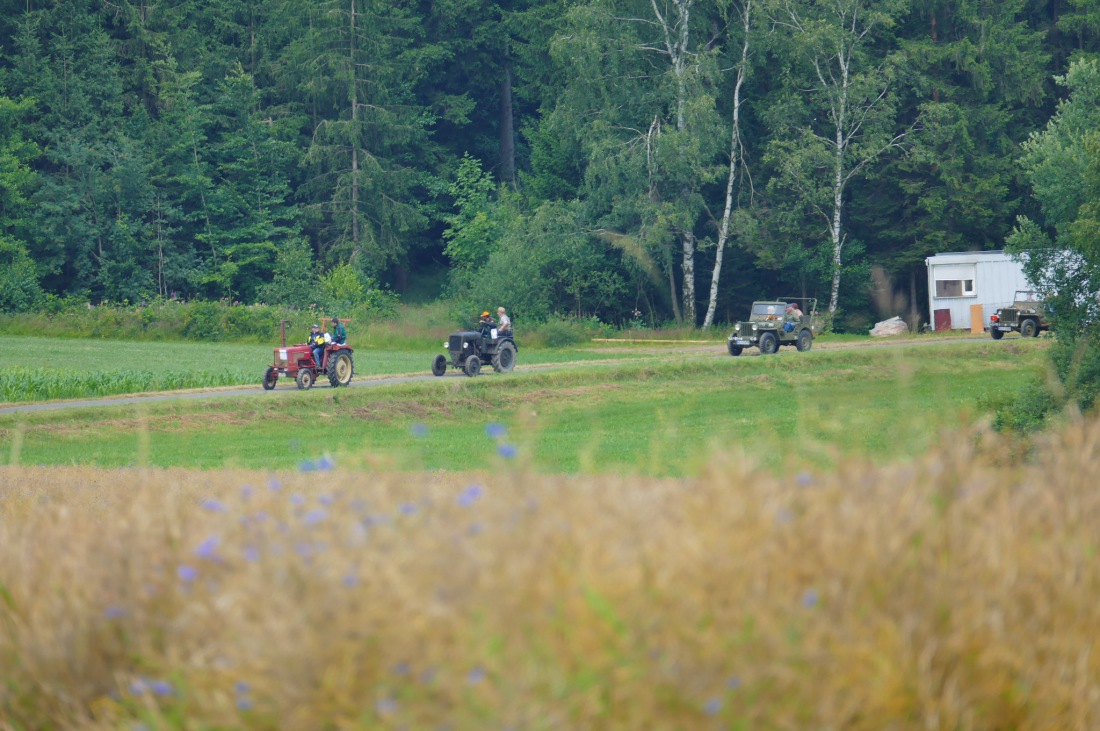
(955, 288)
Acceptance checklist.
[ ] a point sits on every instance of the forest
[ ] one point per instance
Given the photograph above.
(634, 161)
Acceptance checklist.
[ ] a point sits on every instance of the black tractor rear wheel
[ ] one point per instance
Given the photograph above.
(733, 349)
(505, 359)
(805, 340)
(341, 368)
(270, 378)
(472, 366)
(996, 334)
(304, 379)
(439, 365)
(768, 343)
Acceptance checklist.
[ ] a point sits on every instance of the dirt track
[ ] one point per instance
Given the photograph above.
(697, 350)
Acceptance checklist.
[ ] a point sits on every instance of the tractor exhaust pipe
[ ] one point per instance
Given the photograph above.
(282, 330)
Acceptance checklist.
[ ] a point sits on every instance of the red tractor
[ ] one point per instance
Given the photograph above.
(297, 362)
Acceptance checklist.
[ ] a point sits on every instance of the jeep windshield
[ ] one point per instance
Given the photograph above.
(1024, 295)
(767, 311)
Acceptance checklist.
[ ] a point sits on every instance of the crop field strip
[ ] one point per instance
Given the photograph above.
(954, 590)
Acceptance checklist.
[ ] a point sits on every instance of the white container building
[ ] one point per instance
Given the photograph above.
(958, 281)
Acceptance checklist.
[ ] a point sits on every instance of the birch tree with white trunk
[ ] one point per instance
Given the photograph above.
(737, 169)
(850, 121)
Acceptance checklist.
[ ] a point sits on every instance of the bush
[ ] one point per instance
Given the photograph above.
(199, 320)
(1028, 411)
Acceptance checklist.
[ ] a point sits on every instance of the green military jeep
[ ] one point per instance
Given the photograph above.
(1027, 316)
(775, 323)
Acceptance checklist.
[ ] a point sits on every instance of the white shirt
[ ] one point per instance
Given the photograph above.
(505, 323)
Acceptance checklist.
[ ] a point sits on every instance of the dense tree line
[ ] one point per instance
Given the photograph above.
(626, 159)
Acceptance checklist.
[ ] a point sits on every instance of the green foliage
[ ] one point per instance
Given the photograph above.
(295, 282)
(1063, 258)
(546, 266)
(19, 289)
(473, 232)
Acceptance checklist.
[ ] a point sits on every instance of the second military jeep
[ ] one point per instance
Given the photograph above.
(1027, 315)
(772, 324)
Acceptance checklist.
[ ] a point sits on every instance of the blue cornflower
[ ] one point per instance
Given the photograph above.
(713, 706)
(508, 451)
(351, 580)
(244, 704)
(208, 549)
(187, 573)
(386, 705)
(297, 499)
(401, 668)
(809, 599)
(407, 508)
(326, 499)
(274, 484)
(138, 687)
(804, 479)
(161, 688)
(214, 506)
(325, 463)
(315, 516)
(475, 676)
(246, 492)
(115, 612)
(241, 687)
(306, 466)
(251, 554)
(495, 430)
(419, 430)
(733, 683)
(470, 495)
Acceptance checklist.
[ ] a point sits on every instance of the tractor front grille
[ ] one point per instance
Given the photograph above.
(455, 345)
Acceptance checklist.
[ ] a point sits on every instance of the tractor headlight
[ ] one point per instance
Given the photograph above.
(446, 345)
(466, 345)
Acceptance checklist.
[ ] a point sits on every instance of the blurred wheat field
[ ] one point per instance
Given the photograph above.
(958, 590)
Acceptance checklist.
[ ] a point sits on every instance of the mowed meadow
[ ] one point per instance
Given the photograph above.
(654, 539)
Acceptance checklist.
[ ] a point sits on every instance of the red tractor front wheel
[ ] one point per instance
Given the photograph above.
(271, 377)
(304, 379)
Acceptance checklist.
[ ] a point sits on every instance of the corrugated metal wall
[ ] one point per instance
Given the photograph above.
(996, 279)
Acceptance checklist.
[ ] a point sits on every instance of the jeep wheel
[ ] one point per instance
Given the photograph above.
(1029, 329)
(270, 377)
(304, 379)
(439, 365)
(733, 349)
(768, 343)
(805, 341)
(472, 366)
(340, 369)
(996, 334)
(505, 359)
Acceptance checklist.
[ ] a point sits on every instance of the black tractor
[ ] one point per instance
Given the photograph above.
(470, 349)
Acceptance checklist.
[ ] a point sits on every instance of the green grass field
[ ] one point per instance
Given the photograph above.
(664, 415)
